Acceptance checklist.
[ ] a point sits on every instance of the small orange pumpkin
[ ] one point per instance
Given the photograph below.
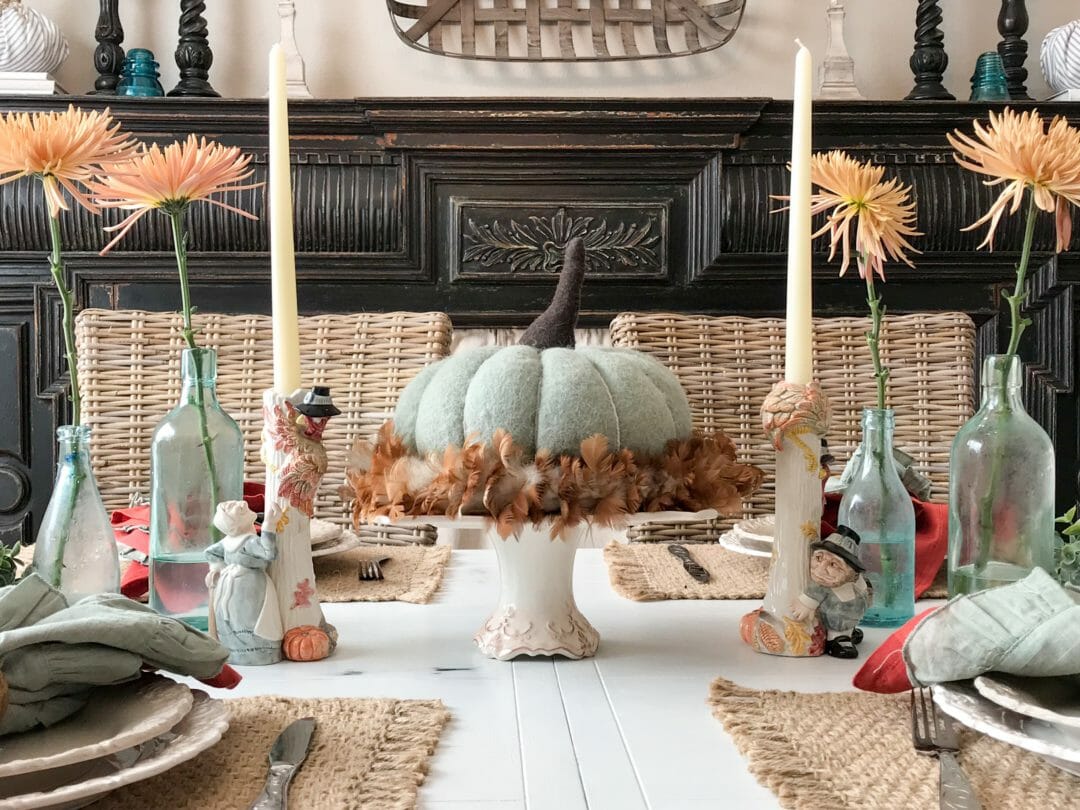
(306, 643)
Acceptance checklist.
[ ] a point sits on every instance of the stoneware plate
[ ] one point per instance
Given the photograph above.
(117, 717)
(200, 729)
(961, 701)
(323, 531)
(760, 529)
(1055, 700)
(481, 522)
(345, 542)
(740, 545)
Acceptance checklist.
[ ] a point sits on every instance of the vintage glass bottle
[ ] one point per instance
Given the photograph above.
(75, 549)
(1001, 487)
(196, 462)
(877, 506)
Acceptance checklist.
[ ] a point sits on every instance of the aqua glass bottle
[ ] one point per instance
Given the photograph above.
(196, 462)
(75, 549)
(1001, 487)
(878, 507)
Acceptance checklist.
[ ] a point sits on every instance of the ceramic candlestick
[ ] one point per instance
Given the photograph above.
(295, 72)
(795, 418)
(838, 68)
(295, 464)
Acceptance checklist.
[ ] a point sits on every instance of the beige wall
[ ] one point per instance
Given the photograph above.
(351, 50)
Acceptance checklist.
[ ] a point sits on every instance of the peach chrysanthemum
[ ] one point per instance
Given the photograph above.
(883, 211)
(63, 149)
(171, 179)
(1019, 151)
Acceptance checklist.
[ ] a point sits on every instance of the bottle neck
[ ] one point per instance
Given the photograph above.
(73, 446)
(877, 431)
(1002, 378)
(199, 370)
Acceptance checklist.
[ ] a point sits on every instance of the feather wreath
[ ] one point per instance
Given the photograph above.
(496, 480)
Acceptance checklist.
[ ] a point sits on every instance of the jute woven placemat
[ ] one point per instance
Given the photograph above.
(852, 751)
(647, 572)
(365, 755)
(410, 574)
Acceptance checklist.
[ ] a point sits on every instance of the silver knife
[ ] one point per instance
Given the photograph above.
(289, 751)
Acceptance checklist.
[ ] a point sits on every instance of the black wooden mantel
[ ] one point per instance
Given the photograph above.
(397, 202)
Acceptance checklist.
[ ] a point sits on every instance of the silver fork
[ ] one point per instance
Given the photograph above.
(935, 735)
(372, 569)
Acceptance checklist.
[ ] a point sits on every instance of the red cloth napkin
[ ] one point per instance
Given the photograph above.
(885, 670)
(931, 537)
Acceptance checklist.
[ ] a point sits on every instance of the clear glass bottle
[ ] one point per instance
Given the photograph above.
(196, 462)
(1001, 487)
(75, 549)
(877, 506)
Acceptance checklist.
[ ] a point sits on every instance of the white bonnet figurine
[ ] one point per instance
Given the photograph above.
(234, 519)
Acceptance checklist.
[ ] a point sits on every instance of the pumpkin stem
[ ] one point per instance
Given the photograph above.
(554, 327)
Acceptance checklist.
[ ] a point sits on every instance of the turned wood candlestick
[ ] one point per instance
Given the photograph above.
(929, 60)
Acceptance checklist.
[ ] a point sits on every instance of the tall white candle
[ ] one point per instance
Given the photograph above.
(798, 345)
(282, 257)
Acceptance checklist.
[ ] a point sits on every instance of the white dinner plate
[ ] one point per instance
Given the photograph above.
(200, 729)
(323, 531)
(734, 542)
(962, 701)
(760, 529)
(1055, 700)
(346, 542)
(117, 717)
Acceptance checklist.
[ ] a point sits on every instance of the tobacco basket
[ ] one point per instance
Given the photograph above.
(565, 30)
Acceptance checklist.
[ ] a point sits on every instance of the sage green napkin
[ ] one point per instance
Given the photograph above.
(1030, 627)
(53, 654)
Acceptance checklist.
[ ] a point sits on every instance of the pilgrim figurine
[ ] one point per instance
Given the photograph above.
(838, 591)
(315, 411)
(244, 614)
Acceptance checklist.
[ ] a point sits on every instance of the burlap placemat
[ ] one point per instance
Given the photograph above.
(412, 574)
(852, 751)
(647, 572)
(369, 754)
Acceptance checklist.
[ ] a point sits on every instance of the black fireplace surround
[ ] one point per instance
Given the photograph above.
(409, 204)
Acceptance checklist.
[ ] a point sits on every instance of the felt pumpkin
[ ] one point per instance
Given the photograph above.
(545, 393)
(306, 643)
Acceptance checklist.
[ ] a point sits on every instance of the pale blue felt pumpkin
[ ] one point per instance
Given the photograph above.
(545, 393)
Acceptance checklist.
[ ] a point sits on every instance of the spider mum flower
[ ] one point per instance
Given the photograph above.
(64, 149)
(171, 179)
(882, 212)
(1019, 151)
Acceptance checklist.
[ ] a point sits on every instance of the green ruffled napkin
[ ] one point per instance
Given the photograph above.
(1030, 628)
(53, 654)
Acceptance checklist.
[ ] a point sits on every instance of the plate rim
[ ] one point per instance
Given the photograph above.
(955, 690)
(985, 682)
(216, 723)
(170, 717)
(346, 541)
(731, 542)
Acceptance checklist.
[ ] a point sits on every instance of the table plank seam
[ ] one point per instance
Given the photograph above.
(622, 734)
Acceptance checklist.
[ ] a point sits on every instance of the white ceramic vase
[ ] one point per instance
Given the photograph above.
(536, 614)
(29, 41)
(1060, 57)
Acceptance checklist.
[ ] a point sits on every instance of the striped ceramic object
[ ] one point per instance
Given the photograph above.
(1060, 57)
(29, 41)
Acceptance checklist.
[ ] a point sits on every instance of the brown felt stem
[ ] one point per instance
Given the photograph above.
(554, 327)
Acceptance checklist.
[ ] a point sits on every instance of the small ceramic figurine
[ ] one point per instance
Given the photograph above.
(838, 591)
(244, 613)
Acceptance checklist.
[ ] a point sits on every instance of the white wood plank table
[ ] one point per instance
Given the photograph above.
(626, 730)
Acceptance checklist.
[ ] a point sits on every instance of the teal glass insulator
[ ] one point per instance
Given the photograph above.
(988, 82)
(139, 76)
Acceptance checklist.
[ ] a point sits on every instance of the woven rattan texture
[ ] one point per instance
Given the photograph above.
(365, 754)
(410, 574)
(728, 364)
(129, 368)
(852, 751)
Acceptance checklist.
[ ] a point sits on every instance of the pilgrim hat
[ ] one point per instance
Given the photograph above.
(317, 403)
(844, 543)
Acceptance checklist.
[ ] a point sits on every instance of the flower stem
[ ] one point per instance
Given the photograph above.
(56, 267)
(180, 247)
(877, 315)
(1019, 323)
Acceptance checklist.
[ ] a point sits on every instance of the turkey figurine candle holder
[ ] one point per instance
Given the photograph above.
(537, 443)
(795, 418)
(295, 462)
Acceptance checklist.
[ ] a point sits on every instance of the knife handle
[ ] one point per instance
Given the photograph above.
(275, 792)
(955, 791)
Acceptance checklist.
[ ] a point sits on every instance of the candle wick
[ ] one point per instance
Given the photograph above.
(799, 42)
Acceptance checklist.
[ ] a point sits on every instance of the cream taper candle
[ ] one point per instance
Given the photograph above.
(798, 340)
(282, 257)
